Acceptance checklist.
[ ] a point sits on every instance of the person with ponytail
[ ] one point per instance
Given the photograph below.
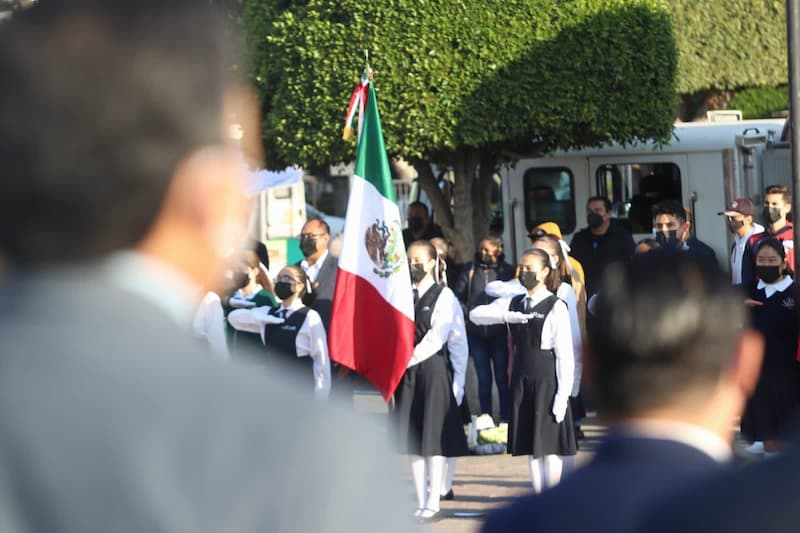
(772, 303)
(543, 373)
(292, 333)
(429, 393)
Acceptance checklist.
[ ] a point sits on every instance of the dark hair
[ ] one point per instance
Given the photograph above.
(553, 281)
(777, 245)
(670, 207)
(321, 222)
(564, 272)
(493, 239)
(604, 199)
(780, 189)
(99, 102)
(431, 249)
(418, 204)
(665, 323)
(308, 295)
(649, 241)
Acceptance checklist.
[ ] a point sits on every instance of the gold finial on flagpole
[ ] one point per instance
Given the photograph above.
(370, 72)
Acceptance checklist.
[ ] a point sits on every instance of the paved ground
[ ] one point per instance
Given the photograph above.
(484, 482)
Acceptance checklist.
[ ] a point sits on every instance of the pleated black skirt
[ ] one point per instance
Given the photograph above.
(533, 429)
(426, 413)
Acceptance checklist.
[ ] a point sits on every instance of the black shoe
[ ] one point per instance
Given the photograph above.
(448, 496)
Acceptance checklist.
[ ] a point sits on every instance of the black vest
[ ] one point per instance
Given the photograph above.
(530, 358)
(279, 339)
(423, 310)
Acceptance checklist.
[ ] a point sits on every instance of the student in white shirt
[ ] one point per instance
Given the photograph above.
(428, 395)
(543, 373)
(209, 323)
(291, 330)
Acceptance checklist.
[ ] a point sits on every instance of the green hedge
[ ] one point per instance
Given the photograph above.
(463, 74)
(760, 102)
(726, 44)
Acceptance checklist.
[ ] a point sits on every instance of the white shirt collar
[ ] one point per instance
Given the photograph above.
(295, 305)
(157, 282)
(538, 295)
(250, 296)
(772, 288)
(423, 287)
(692, 435)
(317, 264)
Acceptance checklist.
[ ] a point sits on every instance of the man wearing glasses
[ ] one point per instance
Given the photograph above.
(319, 265)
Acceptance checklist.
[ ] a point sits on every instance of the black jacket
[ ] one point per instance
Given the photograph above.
(596, 252)
(470, 291)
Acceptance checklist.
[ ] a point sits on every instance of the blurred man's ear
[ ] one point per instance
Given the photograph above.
(745, 366)
(241, 106)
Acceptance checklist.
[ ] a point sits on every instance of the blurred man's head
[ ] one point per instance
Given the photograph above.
(667, 342)
(418, 217)
(113, 118)
(670, 224)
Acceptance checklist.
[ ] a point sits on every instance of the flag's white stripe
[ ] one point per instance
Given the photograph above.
(366, 206)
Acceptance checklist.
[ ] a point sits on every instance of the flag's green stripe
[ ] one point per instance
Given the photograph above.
(372, 164)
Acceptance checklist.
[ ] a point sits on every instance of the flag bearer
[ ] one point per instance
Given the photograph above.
(428, 395)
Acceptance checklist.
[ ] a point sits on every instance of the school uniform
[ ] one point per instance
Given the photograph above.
(543, 368)
(427, 414)
(299, 341)
(785, 235)
(777, 396)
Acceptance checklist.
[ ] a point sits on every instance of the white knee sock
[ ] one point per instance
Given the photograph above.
(435, 468)
(537, 473)
(568, 465)
(418, 477)
(552, 470)
(449, 472)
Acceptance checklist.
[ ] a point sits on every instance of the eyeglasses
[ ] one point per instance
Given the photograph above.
(312, 235)
(287, 279)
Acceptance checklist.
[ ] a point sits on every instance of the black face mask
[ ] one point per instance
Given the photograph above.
(773, 214)
(308, 245)
(768, 274)
(735, 225)
(528, 279)
(283, 289)
(668, 239)
(594, 220)
(415, 224)
(487, 259)
(417, 272)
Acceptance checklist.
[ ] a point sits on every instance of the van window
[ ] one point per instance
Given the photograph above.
(550, 197)
(634, 188)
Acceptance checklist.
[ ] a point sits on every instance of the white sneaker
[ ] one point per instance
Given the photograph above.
(757, 448)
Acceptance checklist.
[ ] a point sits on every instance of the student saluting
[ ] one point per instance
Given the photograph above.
(428, 396)
(292, 332)
(542, 375)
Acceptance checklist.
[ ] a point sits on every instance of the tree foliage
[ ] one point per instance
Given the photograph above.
(731, 44)
(466, 83)
(761, 102)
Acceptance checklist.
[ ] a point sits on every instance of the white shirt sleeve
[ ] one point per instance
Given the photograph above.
(568, 294)
(557, 336)
(441, 323)
(209, 322)
(251, 320)
(457, 346)
(493, 313)
(311, 341)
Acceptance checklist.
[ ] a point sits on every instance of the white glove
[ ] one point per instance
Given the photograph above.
(560, 404)
(240, 303)
(458, 392)
(271, 319)
(504, 289)
(515, 317)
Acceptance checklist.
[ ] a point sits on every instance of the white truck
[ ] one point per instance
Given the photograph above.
(704, 166)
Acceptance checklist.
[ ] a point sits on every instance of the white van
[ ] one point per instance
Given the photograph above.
(705, 166)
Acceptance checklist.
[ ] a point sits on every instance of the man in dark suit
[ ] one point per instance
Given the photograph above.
(117, 197)
(319, 265)
(758, 497)
(671, 368)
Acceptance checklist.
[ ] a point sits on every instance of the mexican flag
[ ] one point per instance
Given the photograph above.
(372, 324)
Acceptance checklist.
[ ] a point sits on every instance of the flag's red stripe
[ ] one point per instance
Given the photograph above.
(368, 335)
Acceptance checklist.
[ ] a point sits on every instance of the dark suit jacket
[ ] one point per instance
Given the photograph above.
(112, 419)
(761, 496)
(696, 246)
(326, 284)
(608, 493)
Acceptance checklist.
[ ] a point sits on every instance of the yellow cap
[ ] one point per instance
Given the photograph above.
(551, 228)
